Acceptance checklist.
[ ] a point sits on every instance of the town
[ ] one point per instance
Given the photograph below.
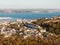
(34, 32)
(25, 28)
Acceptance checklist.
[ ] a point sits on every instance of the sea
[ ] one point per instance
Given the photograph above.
(29, 16)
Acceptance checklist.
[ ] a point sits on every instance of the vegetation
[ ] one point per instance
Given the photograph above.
(18, 40)
(52, 26)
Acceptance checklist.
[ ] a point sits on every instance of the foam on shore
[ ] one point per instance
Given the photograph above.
(2, 18)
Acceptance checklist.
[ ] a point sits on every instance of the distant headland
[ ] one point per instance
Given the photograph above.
(29, 10)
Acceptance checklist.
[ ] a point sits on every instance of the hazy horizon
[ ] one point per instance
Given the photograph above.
(29, 4)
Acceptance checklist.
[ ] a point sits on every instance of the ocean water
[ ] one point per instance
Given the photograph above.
(27, 15)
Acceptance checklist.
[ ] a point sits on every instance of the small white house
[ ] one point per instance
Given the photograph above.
(42, 31)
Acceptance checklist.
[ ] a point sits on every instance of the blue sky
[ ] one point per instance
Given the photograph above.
(23, 4)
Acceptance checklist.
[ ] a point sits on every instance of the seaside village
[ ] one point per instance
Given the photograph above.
(23, 28)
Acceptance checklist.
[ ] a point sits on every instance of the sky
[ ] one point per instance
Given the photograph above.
(29, 4)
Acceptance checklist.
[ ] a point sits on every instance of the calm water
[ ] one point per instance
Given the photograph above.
(27, 15)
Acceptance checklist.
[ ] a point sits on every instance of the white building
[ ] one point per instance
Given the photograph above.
(42, 31)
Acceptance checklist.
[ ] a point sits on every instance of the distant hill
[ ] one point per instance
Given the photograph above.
(29, 10)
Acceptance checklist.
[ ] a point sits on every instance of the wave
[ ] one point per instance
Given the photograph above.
(2, 18)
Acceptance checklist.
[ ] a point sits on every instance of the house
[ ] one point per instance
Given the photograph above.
(42, 31)
(32, 26)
